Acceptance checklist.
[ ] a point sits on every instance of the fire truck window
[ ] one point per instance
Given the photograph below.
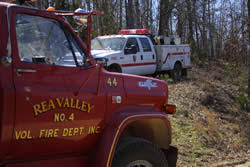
(132, 41)
(145, 45)
(45, 41)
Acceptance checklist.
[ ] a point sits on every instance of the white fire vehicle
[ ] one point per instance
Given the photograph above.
(133, 52)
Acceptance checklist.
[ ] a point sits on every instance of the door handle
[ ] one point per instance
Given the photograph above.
(19, 71)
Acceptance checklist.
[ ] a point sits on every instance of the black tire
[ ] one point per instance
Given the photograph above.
(115, 68)
(184, 72)
(136, 152)
(176, 73)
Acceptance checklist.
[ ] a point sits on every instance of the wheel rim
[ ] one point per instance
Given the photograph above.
(140, 163)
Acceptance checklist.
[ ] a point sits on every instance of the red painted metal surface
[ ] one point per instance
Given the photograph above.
(78, 161)
(7, 92)
(138, 64)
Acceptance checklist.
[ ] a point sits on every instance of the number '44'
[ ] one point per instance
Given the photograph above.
(112, 83)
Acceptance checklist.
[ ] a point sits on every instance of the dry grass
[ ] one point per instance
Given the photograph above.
(209, 126)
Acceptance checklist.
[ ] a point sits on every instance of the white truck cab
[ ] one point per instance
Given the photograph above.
(133, 52)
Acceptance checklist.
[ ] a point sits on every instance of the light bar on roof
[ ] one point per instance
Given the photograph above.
(135, 31)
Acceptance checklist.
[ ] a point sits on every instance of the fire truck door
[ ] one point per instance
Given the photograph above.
(148, 56)
(53, 108)
(132, 61)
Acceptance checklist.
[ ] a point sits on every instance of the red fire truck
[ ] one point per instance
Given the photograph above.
(58, 107)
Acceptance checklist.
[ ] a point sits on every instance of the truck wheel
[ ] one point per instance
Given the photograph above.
(184, 72)
(176, 73)
(115, 68)
(136, 152)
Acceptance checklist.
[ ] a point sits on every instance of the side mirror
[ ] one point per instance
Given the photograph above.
(131, 50)
(102, 61)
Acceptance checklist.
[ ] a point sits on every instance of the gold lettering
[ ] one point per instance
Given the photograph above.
(44, 106)
(59, 102)
(91, 130)
(88, 111)
(70, 132)
(28, 135)
(72, 103)
(56, 132)
(94, 130)
(66, 103)
(50, 133)
(65, 132)
(59, 117)
(51, 105)
(37, 109)
(76, 130)
(22, 134)
(97, 130)
(42, 132)
(84, 106)
(56, 117)
(18, 134)
(77, 105)
(81, 129)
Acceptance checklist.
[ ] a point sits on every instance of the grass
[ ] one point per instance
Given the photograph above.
(185, 134)
(198, 140)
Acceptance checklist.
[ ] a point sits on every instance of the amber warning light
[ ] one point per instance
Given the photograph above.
(169, 108)
(135, 31)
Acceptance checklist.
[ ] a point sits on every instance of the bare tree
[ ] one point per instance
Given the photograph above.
(121, 13)
(129, 13)
(248, 5)
(166, 7)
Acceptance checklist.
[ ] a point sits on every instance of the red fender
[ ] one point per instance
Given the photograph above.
(115, 127)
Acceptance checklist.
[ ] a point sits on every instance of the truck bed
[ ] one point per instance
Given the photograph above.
(167, 55)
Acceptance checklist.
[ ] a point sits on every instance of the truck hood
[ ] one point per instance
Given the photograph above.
(104, 53)
(148, 91)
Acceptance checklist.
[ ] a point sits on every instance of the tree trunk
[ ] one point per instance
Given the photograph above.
(163, 25)
(147, 14)
(180, 22)
(121, 1)
(150, 15)
(129, 13)
(166, 7)
(248, 5)
(210, 31)
(190, 23)
(137, 14)
(204, 34)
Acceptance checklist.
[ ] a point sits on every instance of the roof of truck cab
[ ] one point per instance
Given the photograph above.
(121, 36)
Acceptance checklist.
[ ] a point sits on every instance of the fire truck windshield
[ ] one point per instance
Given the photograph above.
(111, 43)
